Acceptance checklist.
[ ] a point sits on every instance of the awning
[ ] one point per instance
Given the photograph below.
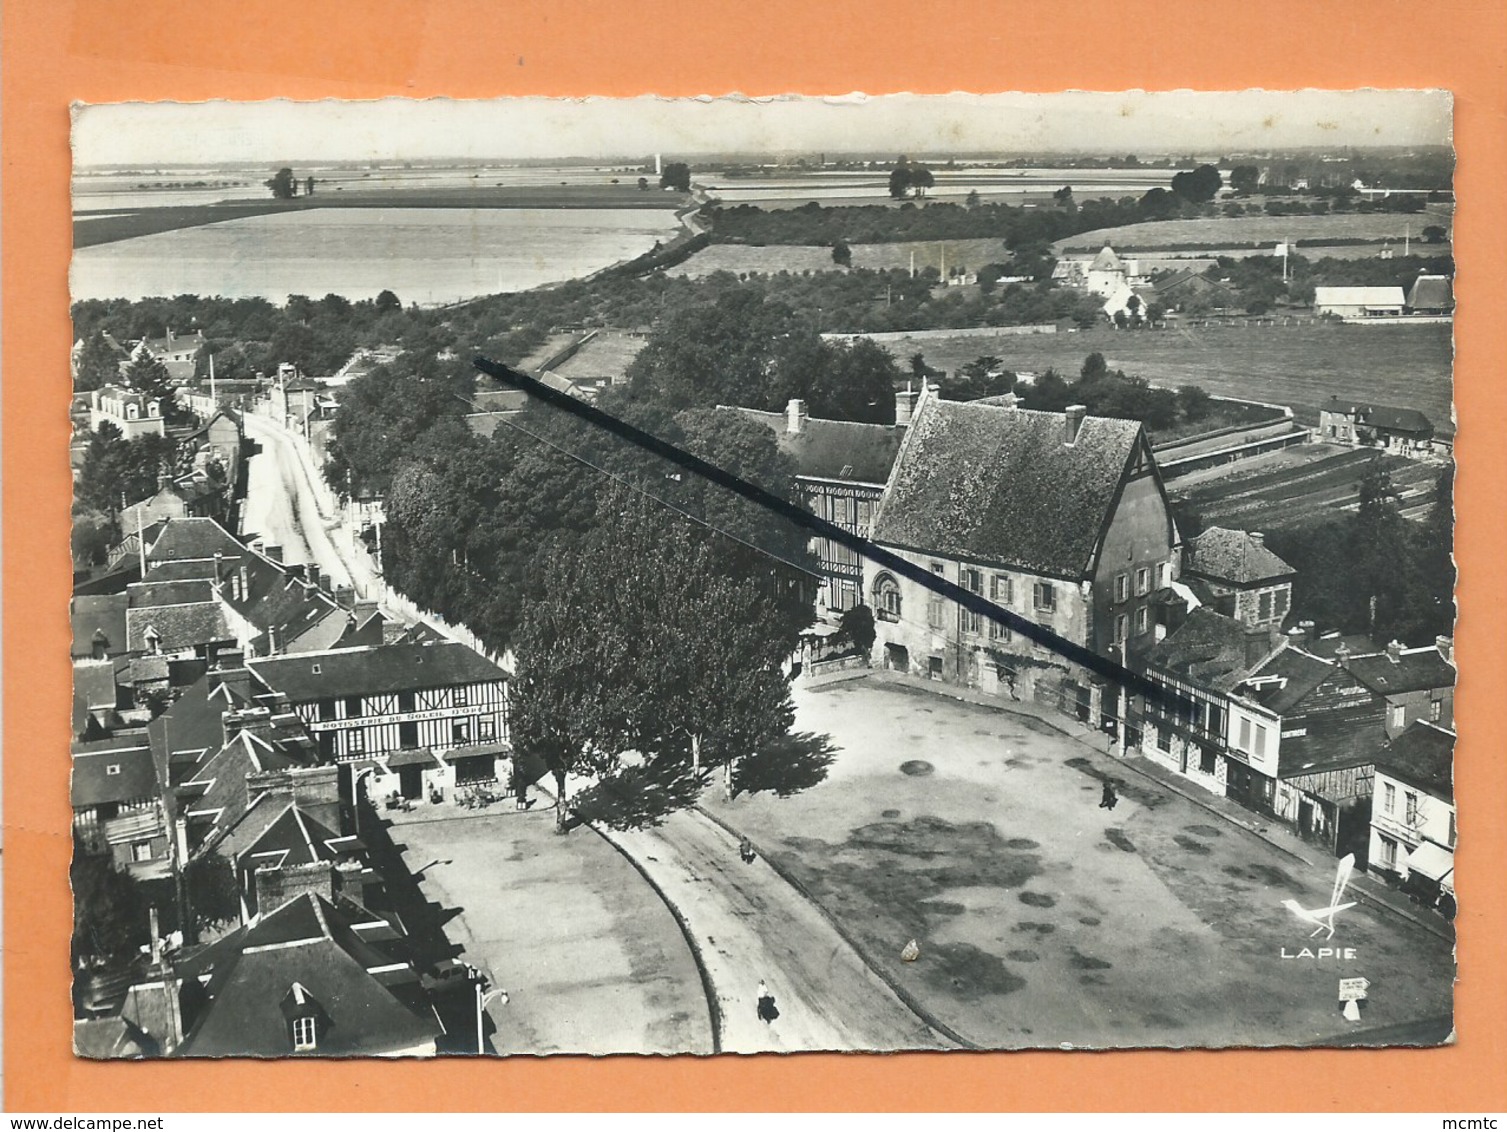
(411, 756)
(1430, 860)
(484, 751)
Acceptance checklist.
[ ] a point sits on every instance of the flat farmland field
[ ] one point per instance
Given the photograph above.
(774, 258)
(1238, 230)
(1408, 366)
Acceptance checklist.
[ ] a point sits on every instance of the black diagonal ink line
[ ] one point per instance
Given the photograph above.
(1085, 658)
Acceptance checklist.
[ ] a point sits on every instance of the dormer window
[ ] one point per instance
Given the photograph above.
(305, 1035)
(112, 769)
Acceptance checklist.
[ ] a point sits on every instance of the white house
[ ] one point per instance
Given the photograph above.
(1413, 810)
(1358, 302)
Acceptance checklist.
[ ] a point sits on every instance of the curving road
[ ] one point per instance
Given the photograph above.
(748, 924)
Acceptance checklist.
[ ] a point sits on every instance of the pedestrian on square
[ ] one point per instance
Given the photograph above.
(1108, 799)
(768, 1012)
(746, 851)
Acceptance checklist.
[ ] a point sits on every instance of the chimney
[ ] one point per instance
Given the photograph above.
(311, 572)
(1297, 635)
(1072, 421)
(905, 404)
(1257, 537)
(795, 416)
(1394, 652)
(1258, 643)
(1307, 627)
(273, 551)
(1446, 647)
(1342, 655)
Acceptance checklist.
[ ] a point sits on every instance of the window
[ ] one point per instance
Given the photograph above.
(326, 709)
(844, 512)
(406, 701)
(1279, 603)
(1142, 581)
(486, 729)
(973, 580)
(355, 743)
(1436, 706)
(1206, 761)
(460, 696)
(1002, 589)
(460, 731)
(1388, 853)
(112, 770)
(1122, 623)
(1162, 575)
(352, 707)
(1245, 735)
(972, 622)
(1264, 606)
(938, 568)
(1388, 798)
(936, 613)
(1046, 597)
(1216, 720)
(998, 630)
(887, 598)
(1410, 800)
(1163, 740)
(1260, 747)
(141, 851)
(305, 1035)
(1122, 587)
(1142, 619)
(865, 513)
(1396, 716)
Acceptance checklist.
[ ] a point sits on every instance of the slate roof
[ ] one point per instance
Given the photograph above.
(373, 670)
(193, 538)
(177, 626)
(216, 794)
(189, 733)
(1382, 416)
(319, 946)
(100, 617)
(1208, 649)
(1301, 673)
(1327, 646)
(1415, 670)
(94, 683)
(1233, 556)
(150, 592)
(1332, 740)
(988, 483)
(500, 401)
(834, 450)
(112, 771)
(274, 831)
(1432, 292)
(1422, 756)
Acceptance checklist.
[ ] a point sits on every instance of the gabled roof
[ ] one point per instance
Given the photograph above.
(152, 592)
(189, 733)
(112, 771)
(1432, 292)
(176, 627)
(1106, 260)
(193, 538)
(1358, 296)
(1414, 670)
(1422, 756)
(1232, 556)
(216, 794)
(988, 483)
(834, 450)
(366, 1006)
(1208, 649)
(275, 831)
(1284, 680)
(373, 670)
(1381, 416)
(100, 619)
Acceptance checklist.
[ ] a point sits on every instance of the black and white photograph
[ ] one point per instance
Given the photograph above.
(741, 575)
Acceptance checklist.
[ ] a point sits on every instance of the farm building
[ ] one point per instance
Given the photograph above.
(1358, 302)
(1403, 431)
(1431, 294)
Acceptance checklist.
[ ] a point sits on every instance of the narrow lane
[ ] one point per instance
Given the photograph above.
(282, 504)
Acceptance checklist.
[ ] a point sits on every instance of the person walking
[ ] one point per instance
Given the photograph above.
(768, 1012)
(1108, 799)
(746, 851)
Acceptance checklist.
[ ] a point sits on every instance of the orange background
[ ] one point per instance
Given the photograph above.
(107, 50)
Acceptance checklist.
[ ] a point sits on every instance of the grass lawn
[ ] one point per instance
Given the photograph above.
(773, 258)
(1237, 230)
(1300, 366)
(1043, 919)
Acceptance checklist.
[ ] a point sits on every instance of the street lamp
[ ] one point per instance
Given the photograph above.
(480, 980)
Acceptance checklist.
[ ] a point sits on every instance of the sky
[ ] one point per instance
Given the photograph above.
(1177, 122)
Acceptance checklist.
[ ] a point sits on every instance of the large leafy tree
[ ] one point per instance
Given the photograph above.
(116, 468)
(98, 364)
(110, 914)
